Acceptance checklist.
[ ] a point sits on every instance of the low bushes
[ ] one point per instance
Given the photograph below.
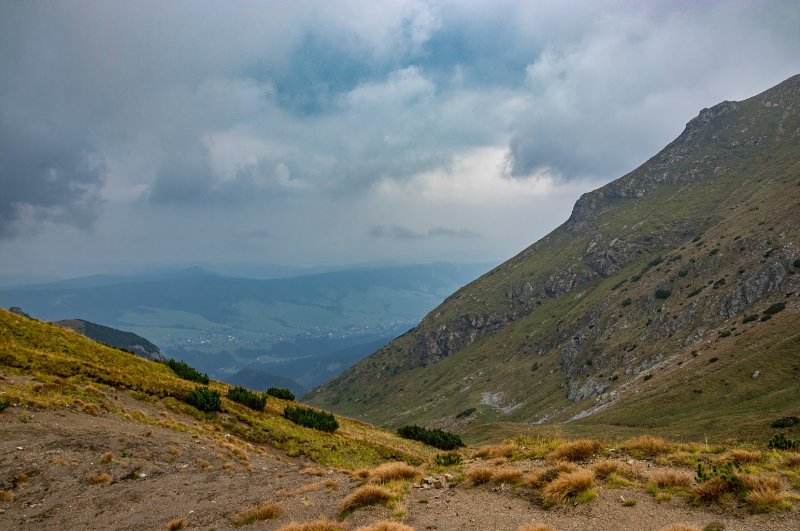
(280, 392)
(783, 422)
(246, 397)
(204, 399)
(183, 370)
(311, 418)
(437, 438)
(449, 459)
(780, 441)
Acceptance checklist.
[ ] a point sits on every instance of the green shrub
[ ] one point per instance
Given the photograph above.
(727, 473)
(467, 412)
(663, 293)
(448, 459)
(626, 302)
(766, 317)
(749, 318)
(204, 399)
(786, 422)
(248, 398)
(775, 308)
(780, 441)
(647, 376)
(311, 418)
(796, 262)
(280, 392)
(724, 333)
(712, 252)
(4, 403)
(713, 359)
(435, 437)
(683, 272)
(186, 372)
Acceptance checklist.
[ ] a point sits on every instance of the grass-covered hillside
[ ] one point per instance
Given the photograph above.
(669, 301)
(46, 366)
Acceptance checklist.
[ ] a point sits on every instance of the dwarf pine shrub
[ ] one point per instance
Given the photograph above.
(204, 399)
(435, 437)
(183, 370)
(311, 418)
(4, 403)
(786, 422)
(663, 293)
(780, 441)
(246, 397)
(280, 392)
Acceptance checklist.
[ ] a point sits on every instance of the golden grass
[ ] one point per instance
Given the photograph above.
(565, 466)
(175, 524)
(497, 461)
(495, 450)
(792, 460)
(364, 496)
(670, 478)
(58, 460)
(507, 476)
(679, 527)
(316, 525)
(751, 482)
(741, 457)
(478, 476)
(764, 499)
(577, 450)
(385, 526)
(314, 471)
(602, 469)
(392, 471)
(568, 485)
(6, 495)
(99, 479)
(205, 465)
(711, 491)
(648, 446)
(264, 511)
(536, 527)
(106, 457)
(539, 478)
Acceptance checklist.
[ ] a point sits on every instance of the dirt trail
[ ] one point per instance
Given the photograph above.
(157, 474)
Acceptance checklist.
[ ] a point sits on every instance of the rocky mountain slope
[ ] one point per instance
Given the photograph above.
(678, 279)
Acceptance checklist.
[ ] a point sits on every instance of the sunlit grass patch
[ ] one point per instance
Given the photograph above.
(99, 479)
(386, 526)
(264, 511)
(578, 450)
(510, 476)
(536, 527)
(364, 496)
(603, 468)
(648, 446)
(176, 524)
(573, 486)
(479, 476)
(392, 471)
(316, 525)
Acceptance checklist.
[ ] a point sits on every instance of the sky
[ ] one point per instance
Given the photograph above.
(309, 133)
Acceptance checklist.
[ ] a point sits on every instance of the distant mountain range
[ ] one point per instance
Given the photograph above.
(668, 301)
(306, 328)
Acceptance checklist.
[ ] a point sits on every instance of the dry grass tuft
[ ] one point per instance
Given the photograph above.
(764, 500)
(316, 525)
(565, 467)
(711, 490)
(792, 460)
(265, 511)
(497, 461)
(567, 486)
(58, 460)
(478, 476)
(495, 450)
(386, 526)
(391, 471)
(6, 495)
(670, 478)
(752, 482)
(603, 468)
(648, 446)
(507, 476)
(205, 465)
(680, 527)
(578, 450)
(106, 457)
(99, 479)
(175, 524)
(741, 457)
(539, 478)
(230, 465)
(536, 527)
(314, 471)
(363, 496)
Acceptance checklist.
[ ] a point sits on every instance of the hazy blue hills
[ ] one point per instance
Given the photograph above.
(305, 328)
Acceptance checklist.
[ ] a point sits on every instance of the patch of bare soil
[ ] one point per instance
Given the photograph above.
(63, 469)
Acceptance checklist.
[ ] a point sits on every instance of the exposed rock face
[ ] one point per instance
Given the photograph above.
(664, 255)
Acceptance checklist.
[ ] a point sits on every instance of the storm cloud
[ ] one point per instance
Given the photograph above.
(182, 127)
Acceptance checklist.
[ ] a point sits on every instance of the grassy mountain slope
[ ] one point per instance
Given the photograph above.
(112, 337)
(589, 324)
(46, 366)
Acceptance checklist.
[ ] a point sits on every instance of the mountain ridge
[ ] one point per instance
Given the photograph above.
(670, 215)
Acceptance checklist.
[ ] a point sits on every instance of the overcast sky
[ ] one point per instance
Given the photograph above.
(136, 133)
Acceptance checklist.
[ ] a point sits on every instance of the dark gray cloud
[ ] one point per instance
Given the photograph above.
(399, 232)
(157, 123)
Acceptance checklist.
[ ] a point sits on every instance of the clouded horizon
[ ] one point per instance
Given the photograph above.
(148, 133)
